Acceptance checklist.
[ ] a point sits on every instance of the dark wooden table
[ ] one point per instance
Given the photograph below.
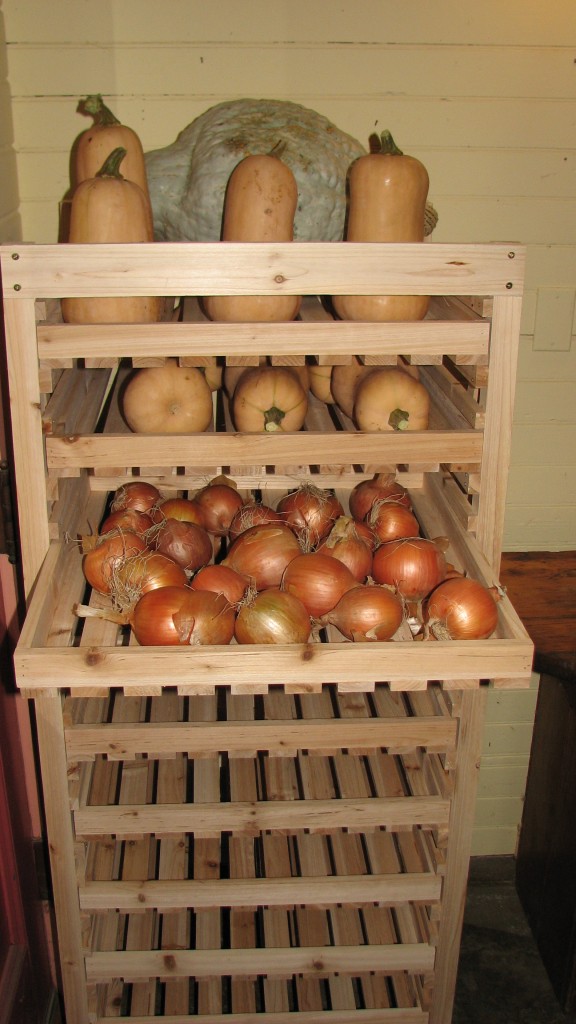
(542, 588)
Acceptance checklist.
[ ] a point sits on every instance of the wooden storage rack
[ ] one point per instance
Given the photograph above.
(258, 834)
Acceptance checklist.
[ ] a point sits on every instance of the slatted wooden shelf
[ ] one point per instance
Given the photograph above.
(252, 833)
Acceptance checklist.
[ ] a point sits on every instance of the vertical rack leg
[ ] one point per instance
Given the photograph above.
(458, 854)
(50, 729)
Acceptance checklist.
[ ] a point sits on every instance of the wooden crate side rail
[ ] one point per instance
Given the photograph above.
(403, 664)
(302, 268)
(121, 741)
(336, 337)
(278, 962)
(252, 817)
(323, 892)
(389, 1015)
(281, 449)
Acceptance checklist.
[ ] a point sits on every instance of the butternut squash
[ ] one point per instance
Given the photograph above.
(387, 203)
(268, 399)
(109, 208)
(391, 399)
(95, 144)
(259, 206)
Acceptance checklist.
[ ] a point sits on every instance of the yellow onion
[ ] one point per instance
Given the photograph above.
(318, 580)
(262, 553)
(367, 612)
(461, 608)
(272, 616)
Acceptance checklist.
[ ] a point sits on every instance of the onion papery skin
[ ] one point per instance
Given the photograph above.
(414, 566)
(318, 580)
(464, 608)
(310, 512)
(262, 554)
(136, 494)
(221, 579)
(392, 520)
(185, 509)
(101, 562)
(219, 504)
(369, 612)
(148, 571)
(346, 543)
(176, 616)
(273, 616)
(186, 543)
(366, 492)
(127, 519)
(252, 513)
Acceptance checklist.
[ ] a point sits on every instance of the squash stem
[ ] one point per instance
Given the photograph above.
(95, 106)
(398, 419)
(273, 418)
(278, 149)
(387, 144)
(111, 166)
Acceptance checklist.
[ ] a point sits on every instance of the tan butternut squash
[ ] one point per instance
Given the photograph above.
(344, 381)
(259, 206)
(94, 145)
(109, 208)
(269, 399)
(391, 399)
(387, 203)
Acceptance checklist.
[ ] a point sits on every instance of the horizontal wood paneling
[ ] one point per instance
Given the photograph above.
(485, 124)
(273, 68)
(446, 21)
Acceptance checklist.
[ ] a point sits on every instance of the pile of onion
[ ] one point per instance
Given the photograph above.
(318, 580)
(173, 616)
(111, 550)
(222, 580)
(366, 492)
(414, 566)
(349, 544)
(311, 512)
(461, 608)
(187, 510)
(252, 513)
(136, 494)
(272, 616)
(262, 553)
(219, 502)
(186, 543)
(366, 613)
(135, 576)
(127, 519)
(390, 519)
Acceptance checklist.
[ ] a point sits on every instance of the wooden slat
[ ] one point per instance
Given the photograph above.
(395, 1015)
(26, 418)
(280, 737)
(47, 668)
(108, 450)
(266, 269)
(212, 963)
(498, 430)
(383, 889)
(251, 818)
(205, 340)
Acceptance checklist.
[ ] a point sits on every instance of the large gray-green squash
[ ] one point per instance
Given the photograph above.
(187, 180)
